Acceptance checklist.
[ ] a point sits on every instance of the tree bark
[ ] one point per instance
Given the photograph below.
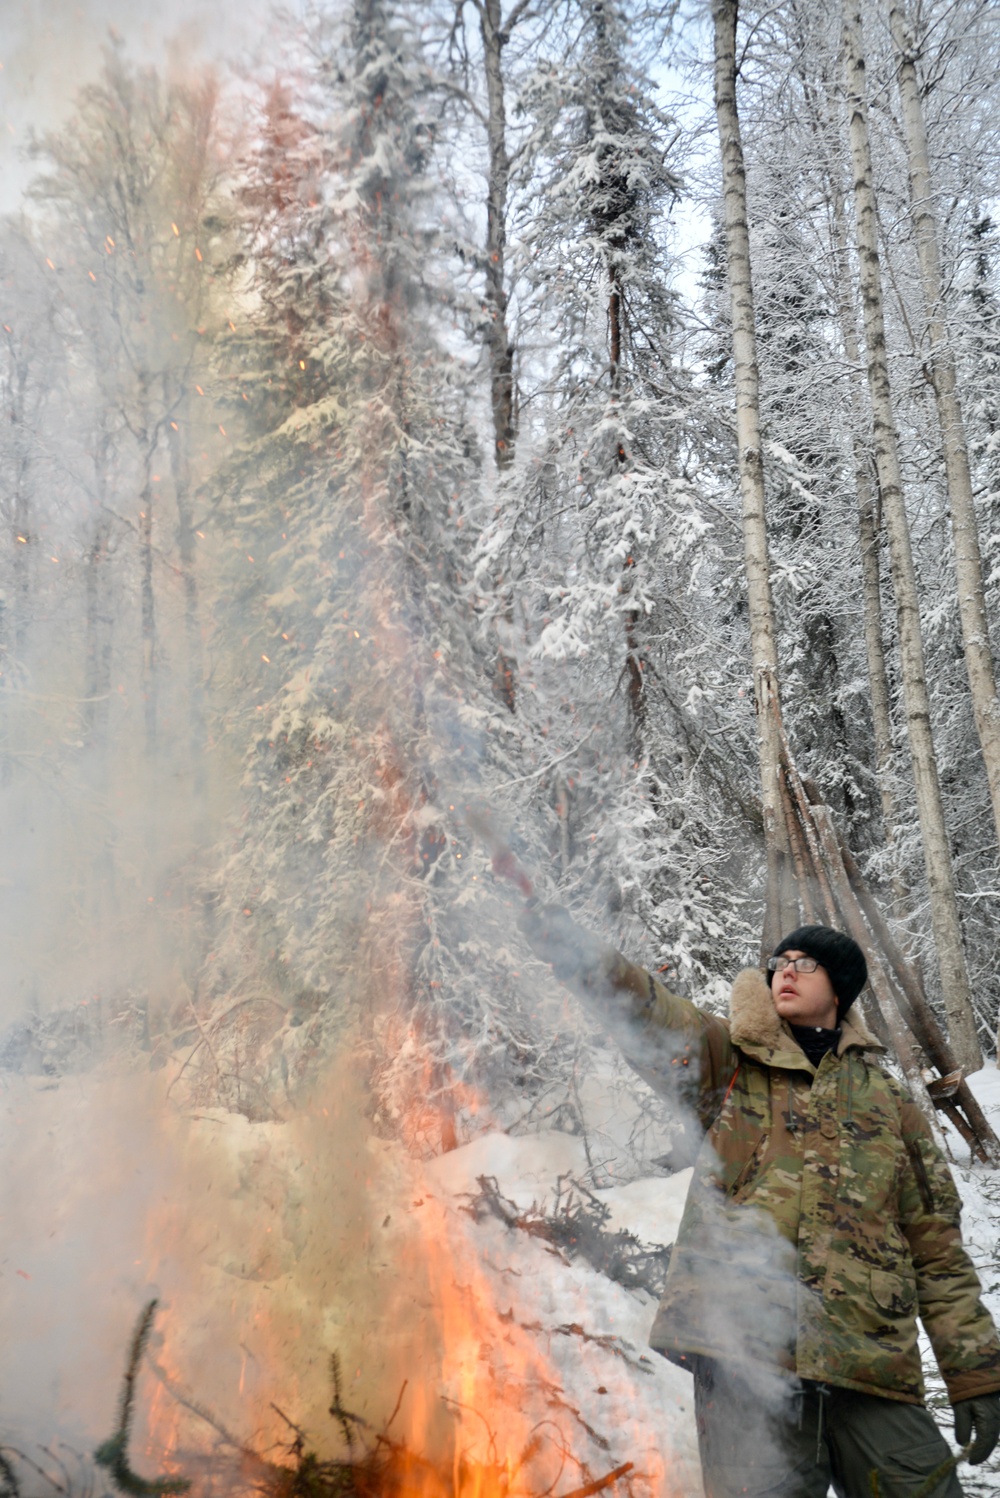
(501, 352)
(937, 857)
(192, 622)
(763, 644)
(147, 605)
(498, 182)
(868, 531)
(944, 383)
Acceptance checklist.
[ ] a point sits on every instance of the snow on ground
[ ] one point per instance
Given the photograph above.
(652, 1395)
(593, 1334)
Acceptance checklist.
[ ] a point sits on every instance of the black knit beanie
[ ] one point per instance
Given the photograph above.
(840, 955)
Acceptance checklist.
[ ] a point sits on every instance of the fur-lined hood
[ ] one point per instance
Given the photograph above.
(753, 1019)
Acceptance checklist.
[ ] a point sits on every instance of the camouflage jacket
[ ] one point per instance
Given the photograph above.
(822, 1219)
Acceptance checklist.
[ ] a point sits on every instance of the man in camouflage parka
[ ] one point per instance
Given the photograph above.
(820, 1223)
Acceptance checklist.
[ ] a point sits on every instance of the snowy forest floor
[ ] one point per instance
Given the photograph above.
(271, 1246)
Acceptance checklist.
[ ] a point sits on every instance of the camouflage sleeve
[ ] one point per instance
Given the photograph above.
(960, 1328)
(683, 1052)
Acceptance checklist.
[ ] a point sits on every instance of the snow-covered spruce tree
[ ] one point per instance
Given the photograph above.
(607, 539)
(354, 899)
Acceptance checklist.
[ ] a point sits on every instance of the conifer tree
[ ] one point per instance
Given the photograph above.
(356, 896)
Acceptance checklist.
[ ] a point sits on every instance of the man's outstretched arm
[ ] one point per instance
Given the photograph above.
(679, 1049)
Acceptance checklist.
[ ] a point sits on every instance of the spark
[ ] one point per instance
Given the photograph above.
(222, 429)
(198, 254)
(48, 262)
(232, 326)
(53, 559)
(177, 231)
(23, 540)
(199, 390)
(175, 426)
(201, 534)
(90, 273)
(266, 659)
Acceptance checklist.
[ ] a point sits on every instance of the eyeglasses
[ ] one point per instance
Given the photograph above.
(800, 964)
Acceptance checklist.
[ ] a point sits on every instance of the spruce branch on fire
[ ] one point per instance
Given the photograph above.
(113, 1453)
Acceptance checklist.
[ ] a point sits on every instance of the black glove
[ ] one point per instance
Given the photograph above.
(981, 1414)
(555, 937)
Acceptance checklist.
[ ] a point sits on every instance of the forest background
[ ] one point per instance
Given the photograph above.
(371, 507)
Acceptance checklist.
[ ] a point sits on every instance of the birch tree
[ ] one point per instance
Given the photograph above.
(131, 184)
(937, 857)
(942, 373)
(763, 638)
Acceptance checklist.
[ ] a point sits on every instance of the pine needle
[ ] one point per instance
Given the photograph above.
(113, 1453)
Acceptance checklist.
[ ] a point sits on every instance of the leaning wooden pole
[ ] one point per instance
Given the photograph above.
(833, 890)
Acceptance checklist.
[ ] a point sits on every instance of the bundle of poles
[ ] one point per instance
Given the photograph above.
(818, 880)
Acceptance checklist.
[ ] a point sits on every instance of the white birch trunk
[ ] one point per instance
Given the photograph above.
(871, 591)
(763, 644)
(937, 857)
(968, 560)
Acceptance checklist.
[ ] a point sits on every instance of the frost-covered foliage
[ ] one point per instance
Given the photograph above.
(603, 533)
(355, 896)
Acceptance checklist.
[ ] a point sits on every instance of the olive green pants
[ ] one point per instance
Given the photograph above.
(801, 1444)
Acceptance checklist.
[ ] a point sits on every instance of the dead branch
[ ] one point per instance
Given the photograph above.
(600, 1483)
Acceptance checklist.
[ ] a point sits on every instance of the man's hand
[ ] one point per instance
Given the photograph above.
(981, 1414)
(555, 937)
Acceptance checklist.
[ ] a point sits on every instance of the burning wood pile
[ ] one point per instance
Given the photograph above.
(490, 1339)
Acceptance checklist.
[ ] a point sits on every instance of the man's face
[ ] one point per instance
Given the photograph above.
(804, 998)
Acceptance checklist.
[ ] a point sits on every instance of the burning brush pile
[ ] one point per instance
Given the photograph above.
(307, 1309)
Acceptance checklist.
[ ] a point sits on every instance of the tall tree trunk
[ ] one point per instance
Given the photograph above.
(763, 643)
(937, 858)
(494, 37)
(22, 557)
(868, 530)
(97, 631)
(498, 182)
(192, 623)
(968, 560)
(148, 604)
(98, 623)
(635, 664)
